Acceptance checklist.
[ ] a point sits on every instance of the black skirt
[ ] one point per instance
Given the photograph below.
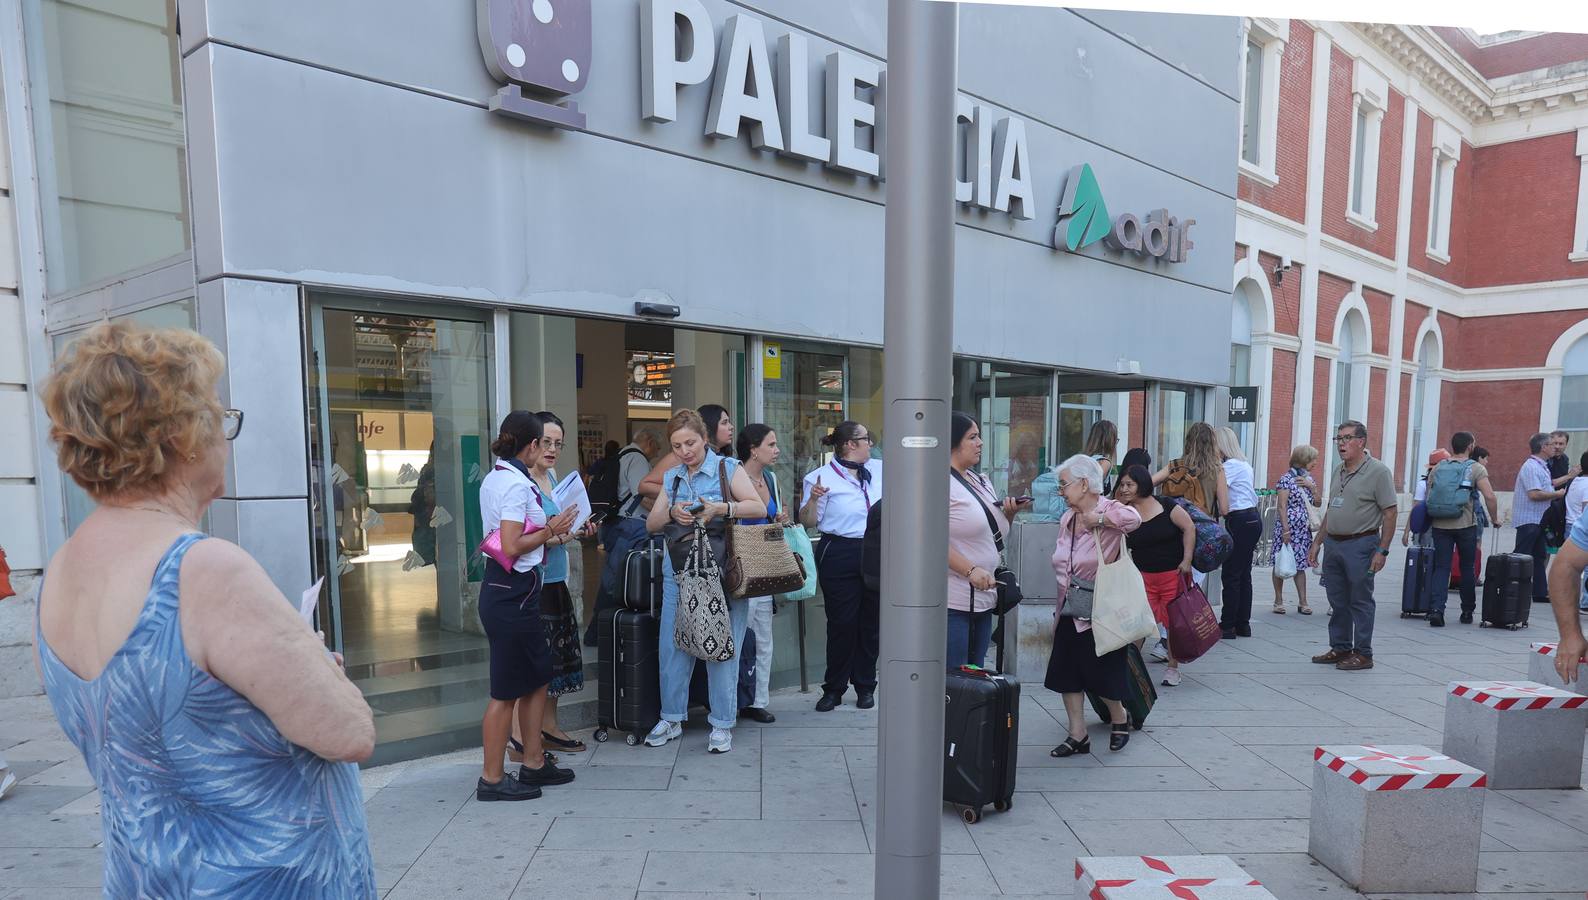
(510, 612)
(1075, 667)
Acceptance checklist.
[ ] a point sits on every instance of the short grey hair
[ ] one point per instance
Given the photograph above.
(645, 435)
(1085, 468)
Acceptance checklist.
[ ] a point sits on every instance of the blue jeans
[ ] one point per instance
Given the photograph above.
(968, 637)
(1464, 540)
(1349, 583)
(677, 667)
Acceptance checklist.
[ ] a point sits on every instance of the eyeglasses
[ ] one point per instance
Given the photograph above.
(1342, 438)
(863, 439)
(555, 445)
(231, 424)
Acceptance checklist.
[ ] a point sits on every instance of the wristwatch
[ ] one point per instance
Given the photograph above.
(1383, 551)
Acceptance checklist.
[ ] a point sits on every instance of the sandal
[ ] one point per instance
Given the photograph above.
(515, 750)
(1279, 608)
(1305, 610)
(1119, 736)
(567, 745)
(1071, 747)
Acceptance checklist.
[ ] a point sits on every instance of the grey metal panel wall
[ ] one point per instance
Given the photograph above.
(1197, 45)
(383, 179)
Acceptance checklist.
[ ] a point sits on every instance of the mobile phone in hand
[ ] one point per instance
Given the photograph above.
(695, 509)
(1025, 499)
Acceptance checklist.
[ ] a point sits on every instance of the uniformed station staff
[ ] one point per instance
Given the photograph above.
(835, 498)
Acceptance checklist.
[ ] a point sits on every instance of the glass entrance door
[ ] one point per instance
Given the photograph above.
(402, 422)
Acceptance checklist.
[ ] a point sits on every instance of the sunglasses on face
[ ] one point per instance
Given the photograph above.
(231, 424)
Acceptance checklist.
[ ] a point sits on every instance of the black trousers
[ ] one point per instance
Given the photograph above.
(854, 633)
(1246, 527)
(1530, 540)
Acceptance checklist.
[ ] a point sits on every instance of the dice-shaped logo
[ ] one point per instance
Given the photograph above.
(540, 45)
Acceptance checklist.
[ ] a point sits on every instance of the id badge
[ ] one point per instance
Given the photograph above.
(1337, 502)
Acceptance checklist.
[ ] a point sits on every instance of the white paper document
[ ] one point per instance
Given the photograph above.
(311, 599)
(570, 494)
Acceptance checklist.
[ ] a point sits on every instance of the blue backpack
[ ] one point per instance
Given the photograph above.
(1213, 544)
(1449, 489)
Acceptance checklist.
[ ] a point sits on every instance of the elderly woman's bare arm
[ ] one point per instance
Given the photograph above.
(239, 628)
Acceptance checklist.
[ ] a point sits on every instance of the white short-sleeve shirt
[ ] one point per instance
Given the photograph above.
(842, 511)
(506, 495)
(1243, 493)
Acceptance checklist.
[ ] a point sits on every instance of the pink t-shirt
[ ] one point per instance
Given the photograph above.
(1077, 552)
(970, 537)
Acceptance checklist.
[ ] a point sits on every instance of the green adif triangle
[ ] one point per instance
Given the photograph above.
(1083, 204)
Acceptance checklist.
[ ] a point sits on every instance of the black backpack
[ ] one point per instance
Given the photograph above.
(606, 474)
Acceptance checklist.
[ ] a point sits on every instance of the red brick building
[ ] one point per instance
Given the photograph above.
(1412, 239)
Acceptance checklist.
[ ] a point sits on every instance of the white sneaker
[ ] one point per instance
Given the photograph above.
(663, 732)
(721, 741)
(1171, 677)
(1160, 652)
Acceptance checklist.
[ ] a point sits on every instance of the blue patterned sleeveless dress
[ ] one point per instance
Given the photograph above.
(200, 794)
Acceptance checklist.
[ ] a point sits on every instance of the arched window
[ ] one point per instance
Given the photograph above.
(1573, 417)
(1353, 334)
(1425, 406)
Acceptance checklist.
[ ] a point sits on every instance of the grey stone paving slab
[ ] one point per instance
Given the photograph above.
(487, 843)
(404, 820)
(71, 893)
(1029, 848)
(862, 765)
(650, 804)
(1113, 778)
(1508, 872)
(840, 736)
(1149, 837)
(1518, 824)
(696, 769)
(1249, 735)
(47, 830)
(616, 753)
(729, 836)
(1225, 763)
(595, 874)
(1244, 835)
(620, 778)
(388, 876)
(1029, 757)
(1567, 807)
(1251, 693)
(1167, 716)
(49, 867)
(807, 783)
(1294, 875)
(1144, 749)
(796, 873)
(1082, 806)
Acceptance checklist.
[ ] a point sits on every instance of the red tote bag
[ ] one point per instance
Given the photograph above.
(1193, 628)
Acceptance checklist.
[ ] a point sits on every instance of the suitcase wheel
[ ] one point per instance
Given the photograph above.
(1406, 615)
(1003, 805)
(971, 814)
(631, 739)
(601, 736)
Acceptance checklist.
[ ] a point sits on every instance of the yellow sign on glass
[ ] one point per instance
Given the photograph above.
(772, 360)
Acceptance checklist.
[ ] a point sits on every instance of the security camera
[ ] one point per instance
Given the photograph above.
(1281, 269)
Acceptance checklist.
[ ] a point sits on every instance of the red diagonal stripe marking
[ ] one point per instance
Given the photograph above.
(1158, 864)
(1444, 780)
(1395, 782)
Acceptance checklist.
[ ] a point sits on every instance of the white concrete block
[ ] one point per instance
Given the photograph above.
(1398, 818)
(1525, 735)
(1094, 874)
(1541, 668)
(1194, 887)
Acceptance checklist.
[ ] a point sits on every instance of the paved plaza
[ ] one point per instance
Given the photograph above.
(1224, 766)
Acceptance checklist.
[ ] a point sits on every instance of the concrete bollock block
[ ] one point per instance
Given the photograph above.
(1525, 735)
(1142, 877)
(1399, 818)
(1541, 668)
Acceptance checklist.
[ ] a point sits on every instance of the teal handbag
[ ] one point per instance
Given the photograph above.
(800, 542)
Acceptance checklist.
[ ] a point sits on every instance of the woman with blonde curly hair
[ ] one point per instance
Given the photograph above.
(221, 734)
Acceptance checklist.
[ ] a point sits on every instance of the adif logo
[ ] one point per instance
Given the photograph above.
(1084, 220)
(539, 45)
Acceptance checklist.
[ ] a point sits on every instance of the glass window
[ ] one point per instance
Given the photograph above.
(1252, 105)
(1077, 414)
(1012, 407)
(1573, 418)
(110, 139)
(1359, 161)
(1436, 220)
(175, 314)
(1343, 370)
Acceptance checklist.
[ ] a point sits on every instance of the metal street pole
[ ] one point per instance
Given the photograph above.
(918, 288)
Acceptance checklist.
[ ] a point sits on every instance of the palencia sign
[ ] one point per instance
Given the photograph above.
(544, 46)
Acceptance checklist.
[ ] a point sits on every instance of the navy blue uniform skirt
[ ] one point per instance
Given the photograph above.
(510, 612)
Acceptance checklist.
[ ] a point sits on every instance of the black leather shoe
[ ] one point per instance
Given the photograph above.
(1118, 737)
(1243, 631)
(865, 699)
(1227, 633)
(828, 702)
(509, 788)
(546, 774)
(1466, 618)
(757, 714)
(1435, 620)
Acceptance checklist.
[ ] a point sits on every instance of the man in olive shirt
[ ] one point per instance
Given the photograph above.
(1358, 525)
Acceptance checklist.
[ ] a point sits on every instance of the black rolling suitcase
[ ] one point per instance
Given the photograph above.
(1508, 590)
(641, 589)
(630, 692)
(981, 731)
(1417, 583)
